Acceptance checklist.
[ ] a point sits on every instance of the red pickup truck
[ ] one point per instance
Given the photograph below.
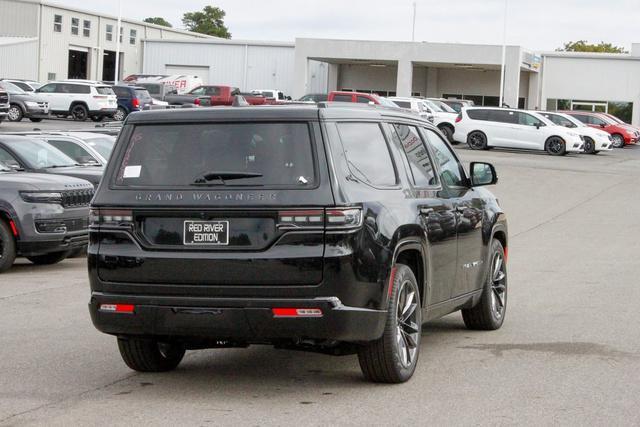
(207, 95)
(359, 97)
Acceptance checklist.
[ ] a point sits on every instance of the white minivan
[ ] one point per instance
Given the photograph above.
(483, 128)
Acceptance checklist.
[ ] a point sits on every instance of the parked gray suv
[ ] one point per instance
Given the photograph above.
(24, 104)
(43, 217)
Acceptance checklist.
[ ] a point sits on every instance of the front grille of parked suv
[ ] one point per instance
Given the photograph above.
(77, 198)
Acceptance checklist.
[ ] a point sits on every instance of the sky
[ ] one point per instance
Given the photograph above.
(539, 25)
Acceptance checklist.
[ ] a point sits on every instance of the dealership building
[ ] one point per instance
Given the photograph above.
(42, 41)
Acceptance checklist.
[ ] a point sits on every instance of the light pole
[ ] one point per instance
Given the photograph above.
(413, 31)
(118, 29)
(504, 53)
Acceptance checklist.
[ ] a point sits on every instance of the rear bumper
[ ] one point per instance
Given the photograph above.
(248, 320)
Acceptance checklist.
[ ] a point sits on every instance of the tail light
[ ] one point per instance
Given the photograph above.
(459, 118)
(14, 229)
(110, 218)
(196, 101)
(117, 308)
(135, 102)
(332, 218)
(296, 312)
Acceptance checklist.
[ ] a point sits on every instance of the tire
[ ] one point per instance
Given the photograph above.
(618, 140)
(393, 357)
(489, 313)
(555, 146)
(148, 355)
(448, 133)
(48, 259)
(120, 114)
(79, 112)
(15, 113)
(589, 145)
(97, 118)
(7, 247)
(35, 120)
(477, 140)
(595, 152)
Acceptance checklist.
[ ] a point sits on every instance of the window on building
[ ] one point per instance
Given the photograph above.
(51, 76)
(75, 26)
(132, 36)
(57, 23)
(367, 153)
(491, 101)
(86, 28)
(109, 32)
(121, 33)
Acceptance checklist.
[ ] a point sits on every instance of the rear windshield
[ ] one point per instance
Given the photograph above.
(142, 94)
(219, 154)
(152, 89)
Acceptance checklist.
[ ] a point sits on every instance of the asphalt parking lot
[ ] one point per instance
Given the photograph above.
(568, 353)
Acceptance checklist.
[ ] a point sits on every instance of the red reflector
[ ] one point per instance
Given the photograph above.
(196, 101)
(392, 277)
(14, 229)
(117, 308)
(296, 312)
(506, 254)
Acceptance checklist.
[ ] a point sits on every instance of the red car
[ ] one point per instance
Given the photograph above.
(359, 97)
(621, 133)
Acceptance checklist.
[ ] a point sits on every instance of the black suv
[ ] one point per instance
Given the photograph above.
(331, 228)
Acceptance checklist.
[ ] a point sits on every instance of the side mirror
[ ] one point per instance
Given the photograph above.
(482, 174)
(602, 125)
(13, 164)
(539, 125)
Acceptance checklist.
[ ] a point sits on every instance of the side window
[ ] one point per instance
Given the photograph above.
(367, 153)
(527, 119)
(451, 172)
(8, 159)
(50, 88)
(582, 118)
(421, 167)
(198, 91)
(342, 98)
(363, 100)
(121, 92)
(78, 89)
(70, 149)
(503, 116)
(596, 121)
(478, 114)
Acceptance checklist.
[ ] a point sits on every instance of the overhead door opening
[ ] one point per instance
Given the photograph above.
(78, 64)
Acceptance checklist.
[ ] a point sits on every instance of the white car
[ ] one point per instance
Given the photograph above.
(270, 93)
(80, 99)
(595, 140)
(443, 116)
(416, 105)
(485, 127)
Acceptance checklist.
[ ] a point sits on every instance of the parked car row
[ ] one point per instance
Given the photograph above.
(47, 181)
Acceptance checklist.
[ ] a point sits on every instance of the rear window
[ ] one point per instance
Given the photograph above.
(142, 94)
(104, 90)
(153, 89)
(218, 155)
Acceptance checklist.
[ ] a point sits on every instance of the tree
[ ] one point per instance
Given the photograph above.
(209, 21)
(158, 21)
(583, 46)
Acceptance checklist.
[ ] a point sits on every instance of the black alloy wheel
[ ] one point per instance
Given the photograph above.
(618, 140)
(15, 113)
(79, 112)
(555, 146)
(477, 140)
(393, 357)
(490, 311)
(589, 145)
(7, 247)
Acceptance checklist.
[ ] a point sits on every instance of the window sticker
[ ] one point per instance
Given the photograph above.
(132, 171)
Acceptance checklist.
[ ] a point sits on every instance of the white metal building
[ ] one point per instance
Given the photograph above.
(44, 41)
(245, 64)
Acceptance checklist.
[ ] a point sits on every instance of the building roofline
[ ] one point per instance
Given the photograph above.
(223, 41)
(423, 42)
(104, 15)
(591, 55)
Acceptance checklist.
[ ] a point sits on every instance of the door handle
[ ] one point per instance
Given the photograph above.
(426, 211)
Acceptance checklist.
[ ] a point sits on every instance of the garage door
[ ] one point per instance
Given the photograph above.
(200, 71)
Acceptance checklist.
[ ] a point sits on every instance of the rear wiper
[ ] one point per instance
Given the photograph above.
(219, 178)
